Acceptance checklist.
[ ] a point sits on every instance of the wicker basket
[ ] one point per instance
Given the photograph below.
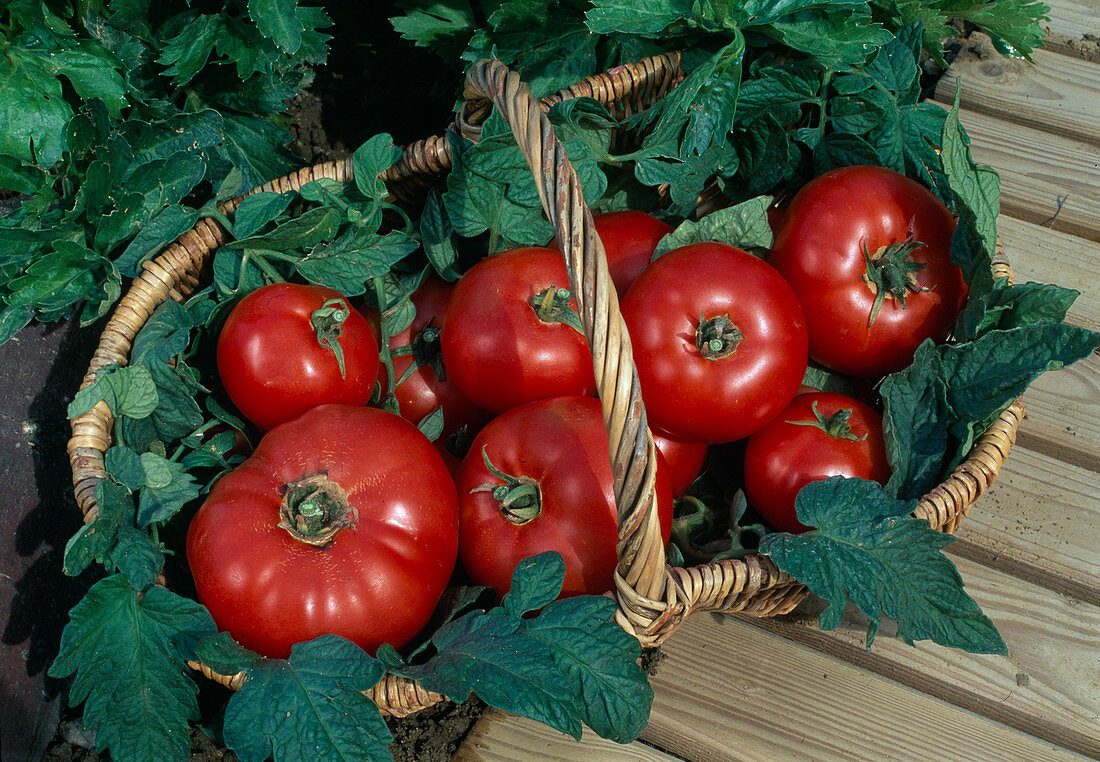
(654, 598)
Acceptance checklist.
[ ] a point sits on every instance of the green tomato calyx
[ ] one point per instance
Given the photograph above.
(519, 497)
(315, 508)
(836, 425)
(551, 305)
(891, 271)
(717, 337)
(328, 324)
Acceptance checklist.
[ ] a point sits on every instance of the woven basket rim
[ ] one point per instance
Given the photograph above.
(752, 585)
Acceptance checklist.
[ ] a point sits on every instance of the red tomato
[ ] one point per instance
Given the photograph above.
(629, 240)
(554, 471)
(504, 342)
(273, 364)
(820, 434)
(834, 225)
(685, 460)
(719, 341)
(429, 387)
(376, 580)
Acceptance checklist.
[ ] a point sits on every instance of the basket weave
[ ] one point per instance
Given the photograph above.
(654, 598)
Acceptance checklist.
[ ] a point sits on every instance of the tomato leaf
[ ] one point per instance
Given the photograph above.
(159, 346)
(224, 655)
(354, 257)
(437, 235)
(937, 407)
(744, 225)
(168, 487)
(310, 706)
(1007, 306)
(277, 19)
(506, 667)
(975, 189)
(599, 658)
(128, 651)
(128, 391)
(868, 549)
(258, 210)
(536, 582)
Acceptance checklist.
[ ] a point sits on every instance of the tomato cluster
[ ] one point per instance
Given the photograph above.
(347, 519)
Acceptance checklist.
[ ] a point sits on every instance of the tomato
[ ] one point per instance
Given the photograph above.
(506, 336)
(856, 227)
(820, 434)
(719, 342)
(279, 353)
(685, 460)
(629, 240)
(388, 541)
(550, 487)
(428, 387)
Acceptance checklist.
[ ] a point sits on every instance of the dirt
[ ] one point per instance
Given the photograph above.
(1086, 47)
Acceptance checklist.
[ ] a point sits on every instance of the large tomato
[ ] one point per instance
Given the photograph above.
(629, 240)
(868, 251)
(549, 487)
(719, 342)
(286, 348)
(428, 387)
(820, 434)
(512, 333)
(343, 521)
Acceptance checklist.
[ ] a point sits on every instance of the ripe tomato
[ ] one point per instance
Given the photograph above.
(820, 434)
(629, 240)
(550, 488)
(286, 348)
(428, 386)
(504, 339)
(383, 490)
(719, 341)
(871, 294)
(685, 460)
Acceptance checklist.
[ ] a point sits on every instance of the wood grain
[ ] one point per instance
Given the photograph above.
(1046, 179)
(501, 737)
(1057, 94)
(1047, 686)
(730, 690)
(1040, 521)
(1071, 20)
(1063, 414)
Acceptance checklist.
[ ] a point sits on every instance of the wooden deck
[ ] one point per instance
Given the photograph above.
(736, 688)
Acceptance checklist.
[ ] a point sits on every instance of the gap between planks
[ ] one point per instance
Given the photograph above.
(728, 690)
(1046, 686)
(1069, 21)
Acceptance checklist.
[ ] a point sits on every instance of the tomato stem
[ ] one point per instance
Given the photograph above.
(836, 425)
(314, 509)
(519, 497)
(891, 272)
(328, 324)
(551, 305)
(717, 337)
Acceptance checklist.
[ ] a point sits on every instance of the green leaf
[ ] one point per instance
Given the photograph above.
(93, 73)
(442, 27)
(868, 549)
(187, 133)
(600, 659)
(33, 112)
(257, 148)
(224, 655)
(137, 557)
(310, 706)
(94, 540)
(976, 190)
(278, 21)
(744, 226)
(128, 391)
(372, 159)
(356, 256)
(186, 54)
(647, 19)
(259, 209)
(506, 667)
(168, 487)
(436, 234)
(1014, 25)
(431, 425)
(536, 582)
(13, 319)
(162, 228)
(124, 466)
(1008, 306)
(308, 229)
(157, 346)
(59, 278)
(128, 651)
(834, 38)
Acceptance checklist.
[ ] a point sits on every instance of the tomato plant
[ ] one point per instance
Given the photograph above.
(512, 333)
(719, 341)
(343, 521)
(287, 347)
(422, 381)
(868, 251)
(818, 435)
(629, 239)
(538, 478)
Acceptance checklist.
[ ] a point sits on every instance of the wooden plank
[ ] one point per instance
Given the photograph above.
(1040, 521)
(729, 690)
(1057, 94)
(1069, 21)
(1046, 687)
(501, 737)
(1046, 179)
